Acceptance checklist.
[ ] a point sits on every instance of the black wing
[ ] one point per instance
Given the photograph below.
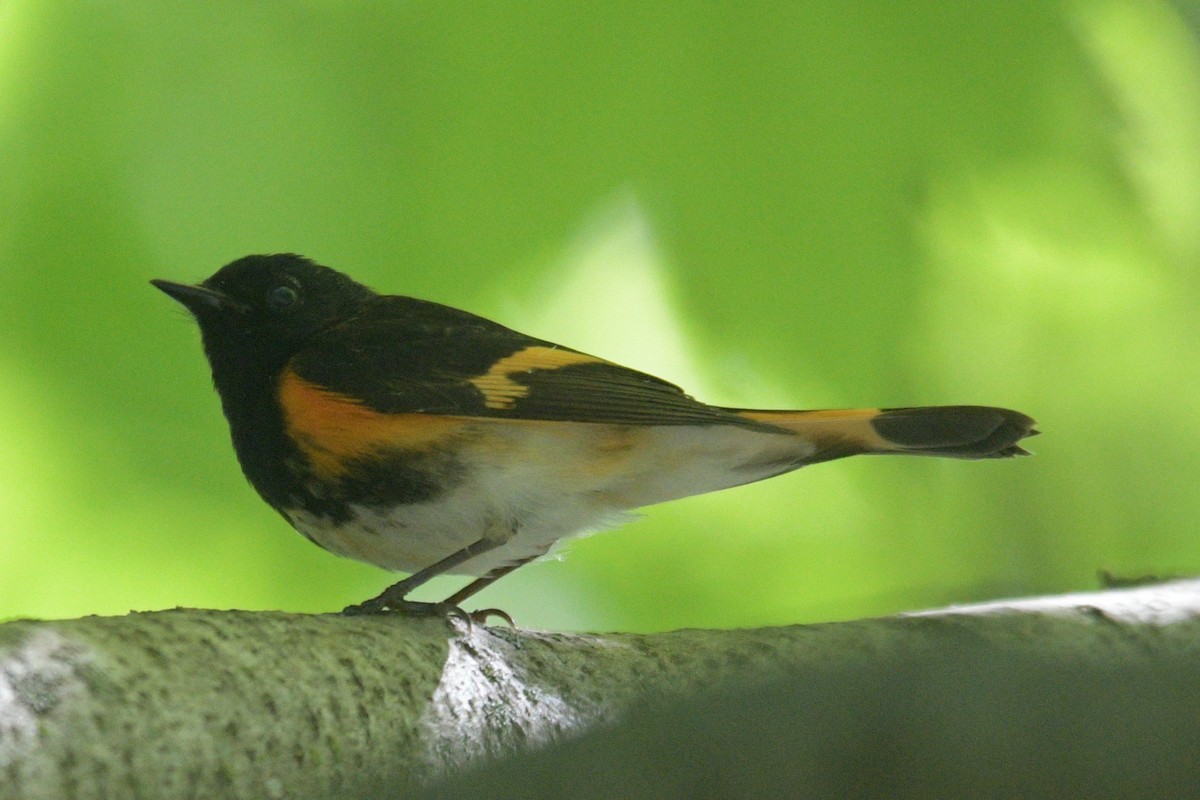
(403, 355)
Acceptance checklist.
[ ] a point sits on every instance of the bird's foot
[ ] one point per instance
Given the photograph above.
(414, 608)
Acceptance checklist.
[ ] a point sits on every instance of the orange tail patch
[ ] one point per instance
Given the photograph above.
(950, 431)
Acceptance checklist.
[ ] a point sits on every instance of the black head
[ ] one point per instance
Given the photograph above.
(262, 309)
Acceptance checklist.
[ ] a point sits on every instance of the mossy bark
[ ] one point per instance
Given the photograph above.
(213, 704)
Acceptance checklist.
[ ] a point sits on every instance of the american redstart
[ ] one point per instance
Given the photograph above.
(428, 440)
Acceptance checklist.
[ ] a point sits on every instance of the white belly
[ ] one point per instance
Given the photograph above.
(411, 537)
(529, 486)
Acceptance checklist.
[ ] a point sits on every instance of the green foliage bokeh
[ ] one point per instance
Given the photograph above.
(807, 204)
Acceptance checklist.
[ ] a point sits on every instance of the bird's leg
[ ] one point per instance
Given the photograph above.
(476, 585)
(392, 598)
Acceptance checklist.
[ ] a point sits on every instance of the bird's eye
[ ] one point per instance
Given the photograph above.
(282, 297)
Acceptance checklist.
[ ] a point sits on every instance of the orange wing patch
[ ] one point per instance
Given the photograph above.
(500, 391)
(332, 428)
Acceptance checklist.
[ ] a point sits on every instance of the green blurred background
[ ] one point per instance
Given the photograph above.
(805, 204)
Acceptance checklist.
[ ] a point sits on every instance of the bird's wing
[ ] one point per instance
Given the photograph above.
(407, 356)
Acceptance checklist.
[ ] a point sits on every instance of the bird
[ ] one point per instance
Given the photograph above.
(428, 440)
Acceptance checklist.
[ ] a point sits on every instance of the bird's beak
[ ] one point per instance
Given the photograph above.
(197, 299)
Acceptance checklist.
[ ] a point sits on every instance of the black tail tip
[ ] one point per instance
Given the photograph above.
(1017, 450)
(956, 431)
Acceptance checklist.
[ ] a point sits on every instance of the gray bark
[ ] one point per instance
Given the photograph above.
(209, 704)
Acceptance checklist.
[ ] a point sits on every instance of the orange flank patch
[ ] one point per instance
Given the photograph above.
(501, 391)
(332, 428)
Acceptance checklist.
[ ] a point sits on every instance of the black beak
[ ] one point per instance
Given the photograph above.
(196, 299)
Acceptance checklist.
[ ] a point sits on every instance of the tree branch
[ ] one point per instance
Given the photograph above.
(196, 703)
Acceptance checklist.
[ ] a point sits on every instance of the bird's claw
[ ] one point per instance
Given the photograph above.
(481, 616)
(415, 608)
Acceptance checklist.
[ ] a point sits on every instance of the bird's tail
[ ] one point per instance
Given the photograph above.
(951, 431)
